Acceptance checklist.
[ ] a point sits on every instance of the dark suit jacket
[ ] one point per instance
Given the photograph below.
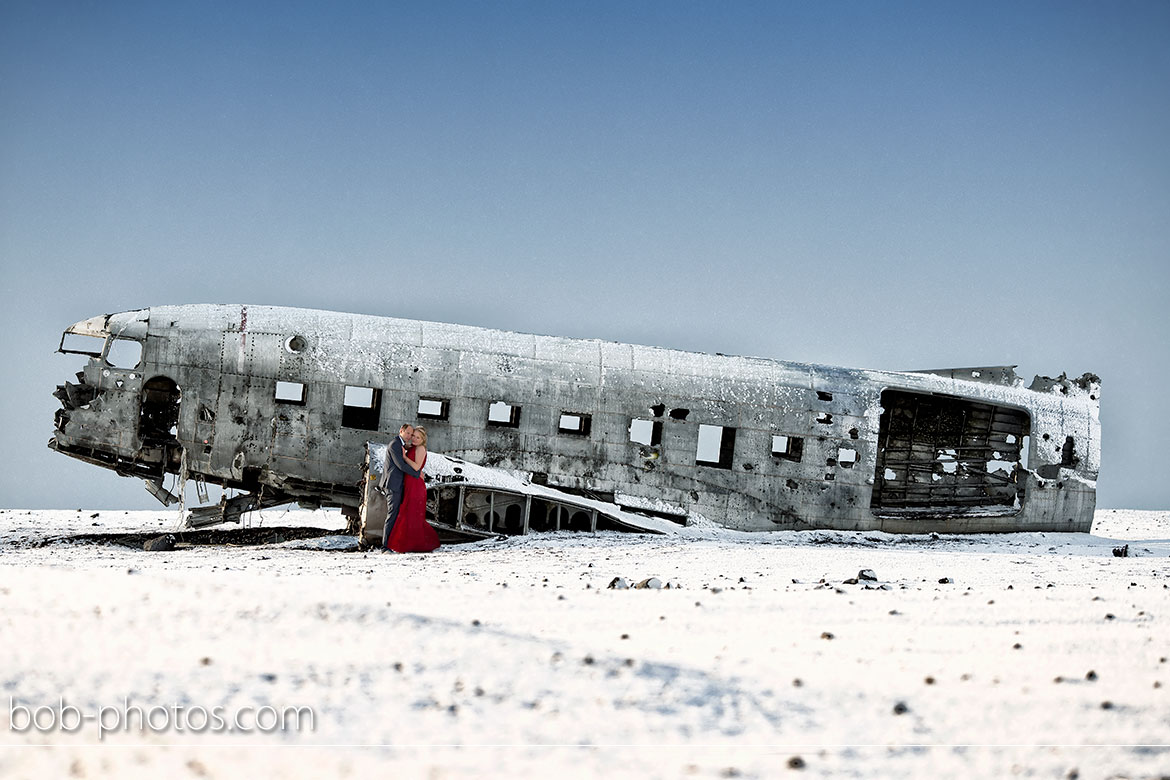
(397, 467)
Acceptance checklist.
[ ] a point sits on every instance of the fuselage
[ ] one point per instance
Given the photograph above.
(283, 401)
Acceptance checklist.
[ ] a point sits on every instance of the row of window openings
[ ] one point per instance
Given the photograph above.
(362, 408)
(716, 446)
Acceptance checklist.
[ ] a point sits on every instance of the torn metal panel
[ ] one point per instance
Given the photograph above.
(283, 401)
(999, 375)
(478, 502)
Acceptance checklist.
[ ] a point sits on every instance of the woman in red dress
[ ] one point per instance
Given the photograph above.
(412, 532)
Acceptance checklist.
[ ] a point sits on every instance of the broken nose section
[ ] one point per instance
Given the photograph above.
(74, 396)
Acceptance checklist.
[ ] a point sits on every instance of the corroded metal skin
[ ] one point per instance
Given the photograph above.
(281, 402)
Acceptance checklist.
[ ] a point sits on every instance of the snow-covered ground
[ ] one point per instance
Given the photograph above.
(1040, 655)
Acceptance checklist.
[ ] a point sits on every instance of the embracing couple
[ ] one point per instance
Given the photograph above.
(406, 528)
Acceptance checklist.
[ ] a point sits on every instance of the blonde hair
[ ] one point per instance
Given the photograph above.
(423, 431)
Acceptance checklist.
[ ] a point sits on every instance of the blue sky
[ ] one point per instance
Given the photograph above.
(886, 185)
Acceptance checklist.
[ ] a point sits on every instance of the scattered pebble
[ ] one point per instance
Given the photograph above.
(901, 708)
(796, 762)
(826, 635)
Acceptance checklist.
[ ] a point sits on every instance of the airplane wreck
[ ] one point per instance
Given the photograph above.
(545, 433)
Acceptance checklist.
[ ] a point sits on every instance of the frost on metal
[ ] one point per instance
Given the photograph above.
(280, 403)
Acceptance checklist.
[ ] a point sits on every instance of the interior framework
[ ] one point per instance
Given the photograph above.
(940, 452)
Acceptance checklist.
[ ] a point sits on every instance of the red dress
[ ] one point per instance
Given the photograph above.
(411, 531)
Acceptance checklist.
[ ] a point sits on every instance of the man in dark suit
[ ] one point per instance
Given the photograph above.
(396, 467)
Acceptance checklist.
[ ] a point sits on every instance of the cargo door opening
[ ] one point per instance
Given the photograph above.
(946, 455)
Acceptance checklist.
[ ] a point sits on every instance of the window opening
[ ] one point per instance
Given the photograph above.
(361, 408)
(644, 431)
(846, 457)
(124, 353)
(716, 446)
(504, 415)
(571, 422)
(787, 447)
(433, 408)
(82, 344)
(290, 392)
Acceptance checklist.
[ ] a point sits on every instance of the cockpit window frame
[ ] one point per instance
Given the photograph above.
(110, 345)
(97, 354)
